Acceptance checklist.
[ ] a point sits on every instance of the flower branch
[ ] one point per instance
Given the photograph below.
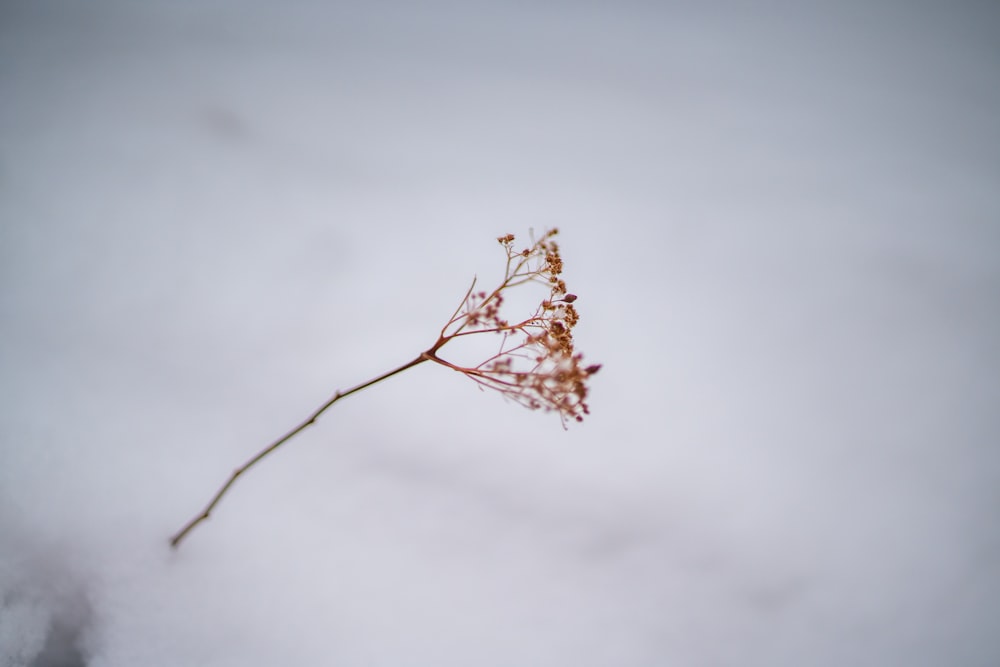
(536, 365)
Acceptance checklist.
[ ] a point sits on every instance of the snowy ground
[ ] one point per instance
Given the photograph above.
(783, 225)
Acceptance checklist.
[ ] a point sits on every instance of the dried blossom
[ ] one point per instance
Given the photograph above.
(536, 364)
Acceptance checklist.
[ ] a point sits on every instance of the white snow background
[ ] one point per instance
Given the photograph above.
(783, 224)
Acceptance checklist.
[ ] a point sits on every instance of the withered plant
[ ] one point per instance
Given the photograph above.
(535, 364)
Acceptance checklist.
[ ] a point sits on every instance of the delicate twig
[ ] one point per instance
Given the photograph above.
(542, 371)
(176, 539)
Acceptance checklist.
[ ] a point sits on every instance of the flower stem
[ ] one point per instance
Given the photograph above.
(205, 513)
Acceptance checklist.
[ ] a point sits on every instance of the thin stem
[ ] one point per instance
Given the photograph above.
(482, 377)
(205, 513)
(521, 326)
(454, 316)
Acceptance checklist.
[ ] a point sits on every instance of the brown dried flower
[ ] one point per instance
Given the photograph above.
(536, 364)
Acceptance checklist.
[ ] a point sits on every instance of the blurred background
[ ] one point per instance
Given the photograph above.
(782, 221)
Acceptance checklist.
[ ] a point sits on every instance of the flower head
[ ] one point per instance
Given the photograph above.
(536, 364)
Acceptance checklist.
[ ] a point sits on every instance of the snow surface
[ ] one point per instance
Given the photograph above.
(783, 224)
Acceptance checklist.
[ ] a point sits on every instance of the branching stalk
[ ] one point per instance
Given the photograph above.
(542, 371)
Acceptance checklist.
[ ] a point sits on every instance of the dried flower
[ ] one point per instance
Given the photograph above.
(536, 364)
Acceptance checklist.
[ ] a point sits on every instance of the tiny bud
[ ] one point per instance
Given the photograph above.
(569, 298)
(590, 370)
